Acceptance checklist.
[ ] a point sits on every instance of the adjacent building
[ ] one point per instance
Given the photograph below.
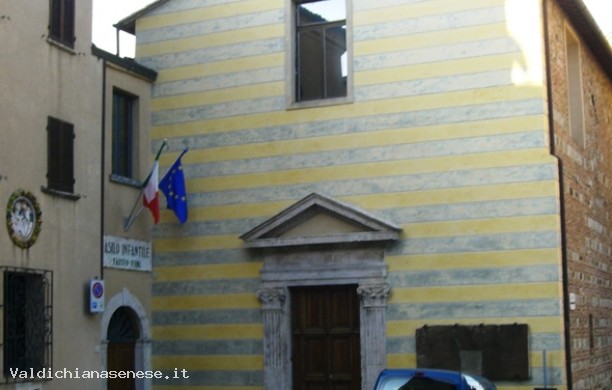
(75, 286)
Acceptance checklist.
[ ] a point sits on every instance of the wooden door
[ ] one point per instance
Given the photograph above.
(120, 357)
(326, 352)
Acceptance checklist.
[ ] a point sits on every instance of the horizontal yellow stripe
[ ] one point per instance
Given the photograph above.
(359, 109)
(481, 226)
(381, 201)
(195, 302)
(210, 40)
(216, 362)
(247, 92)
(201, 14)
(418, 10)
(196, 243)
(220, 67)
(431, 39)
(473, 293)
(208, 271)
(379, 169)
(408, 360)
(208, 332)
(362, 140)
(536, 324)
(436, 69)
(468, 260)
(457, 195)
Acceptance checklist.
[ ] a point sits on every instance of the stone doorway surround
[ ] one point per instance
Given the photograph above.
(143, 345)
(320, 241)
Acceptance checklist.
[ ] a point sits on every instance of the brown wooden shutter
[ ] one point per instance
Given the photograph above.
(60, 155)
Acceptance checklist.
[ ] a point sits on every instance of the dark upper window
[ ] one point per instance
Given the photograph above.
(27, 317)
(321, 47)
(123, 134)
(60, 155)
(61, 23)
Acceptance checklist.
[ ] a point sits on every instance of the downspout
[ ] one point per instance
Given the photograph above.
(564, 265)
(102, 166)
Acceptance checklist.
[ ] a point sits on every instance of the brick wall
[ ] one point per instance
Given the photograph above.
(587, 197)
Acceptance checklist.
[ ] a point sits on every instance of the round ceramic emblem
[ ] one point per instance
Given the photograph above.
(23, 218)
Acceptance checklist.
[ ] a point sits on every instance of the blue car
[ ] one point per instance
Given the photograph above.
(429, 379)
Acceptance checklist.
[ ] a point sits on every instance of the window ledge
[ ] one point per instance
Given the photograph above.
(61, 45)
(128, 181)
(61, 194)
(319, 103)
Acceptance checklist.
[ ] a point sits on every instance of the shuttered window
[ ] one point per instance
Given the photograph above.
(123, 134)
(61, 24)
(60, 155)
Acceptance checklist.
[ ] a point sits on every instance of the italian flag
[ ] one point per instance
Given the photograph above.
(151, 191)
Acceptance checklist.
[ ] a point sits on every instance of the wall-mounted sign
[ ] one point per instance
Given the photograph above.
(23, 218)
(96, 296)
(128, 254)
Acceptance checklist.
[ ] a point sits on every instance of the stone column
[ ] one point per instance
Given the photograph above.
(373, 331)
(276, 342)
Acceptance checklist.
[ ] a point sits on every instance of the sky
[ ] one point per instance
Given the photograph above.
(108, 12)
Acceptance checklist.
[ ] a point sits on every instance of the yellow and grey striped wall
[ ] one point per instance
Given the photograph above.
(446, 135)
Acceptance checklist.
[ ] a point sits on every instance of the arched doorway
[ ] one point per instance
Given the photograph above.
(125, 300)
(122, 335)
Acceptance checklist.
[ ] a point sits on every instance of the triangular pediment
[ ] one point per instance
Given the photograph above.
(317, 219)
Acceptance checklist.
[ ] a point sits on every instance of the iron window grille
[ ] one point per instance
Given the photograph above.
(27, 311)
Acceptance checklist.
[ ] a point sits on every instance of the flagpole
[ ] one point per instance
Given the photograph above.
(132, 217)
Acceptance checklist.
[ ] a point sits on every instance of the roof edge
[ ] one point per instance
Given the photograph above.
(128, 24)
(126, 63)
(585, 25)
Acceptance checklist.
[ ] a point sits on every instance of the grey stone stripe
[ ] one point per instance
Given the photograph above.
(206, 317)
(214, 54)
(432, 23)
(435, 85)
(477, 309)
(207, 347)
(208, 27)
(186, 5)
(222, 110)
(417, 214)
(477, 243)
(398, 152)
(379, 185)
(314, 128)
(475, 276)
(424, 55)
(211, 256)
(206, 287)
(220, 81)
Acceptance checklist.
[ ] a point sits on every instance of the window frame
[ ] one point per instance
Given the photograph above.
(60, 156)
(42, 321)
(62, 22)
(291, 79)
(575, 88)
(129, 105)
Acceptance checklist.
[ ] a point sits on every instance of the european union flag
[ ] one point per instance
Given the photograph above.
(173, 187)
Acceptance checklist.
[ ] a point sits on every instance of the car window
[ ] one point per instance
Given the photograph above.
(421, 383)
